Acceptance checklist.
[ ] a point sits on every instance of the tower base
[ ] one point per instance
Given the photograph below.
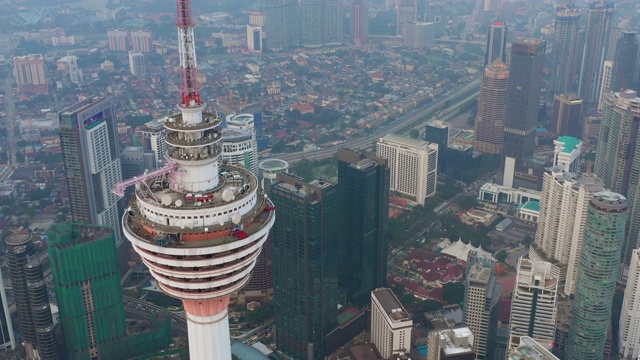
(208, 327)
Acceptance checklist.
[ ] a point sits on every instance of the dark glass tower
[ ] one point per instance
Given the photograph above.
(363, 183)
(565, 44)
(31, 297)
(624, 63)
(306, 235)
(496, 42)
(438, 132)
(596, 283)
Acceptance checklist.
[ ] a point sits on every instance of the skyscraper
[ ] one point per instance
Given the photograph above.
(566, 115)
(246, 122)
(29, 72)
(407, 11)
(533, 306)
(496, 42)
(492, 107)
(618, 158)
(565, 44)
(629, 332)
(596, 283)
(7, 338)
(141, 40)
(359, 27)
(436, 14)
(563, 208)
(282, 24)
(31, 298)
(91, 156)
(391, 324)
(254, 38)
(605, 84)
(333, 23)
(419, 35)
(437, 132)
(321, 23)
(237, 149)
(596, 35)
(137, 66)
(305, 238)
(118, 40)
(482, 304)
(363, 183)
(87, 282)
(625, 63)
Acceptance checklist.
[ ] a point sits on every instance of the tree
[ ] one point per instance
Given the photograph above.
(501, 255)
(453, 293)
(527, 240)
(428, 305)
(414, 134)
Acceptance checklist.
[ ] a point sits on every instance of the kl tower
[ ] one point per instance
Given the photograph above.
(198, 224)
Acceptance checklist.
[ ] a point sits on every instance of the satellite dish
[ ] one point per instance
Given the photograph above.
(166, 200)
(178, 203)
(227, 195)
(221, 223)
(199, 203)
(206, 229)
(236, 219)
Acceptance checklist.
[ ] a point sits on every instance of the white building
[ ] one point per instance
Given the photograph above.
(390, 324)
(246, 122)
(237, 149)
(567, 153)
(495, 193)
(269, 170)
(413, 164)
(629, 334)
(533, 308)
(530, 349)
(254, 38)
(137, 66)
(153, 134)
(605, 86)
(563, 211)
(7, 338)
(443, 344)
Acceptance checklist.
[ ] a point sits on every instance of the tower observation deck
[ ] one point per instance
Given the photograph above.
(200, 225)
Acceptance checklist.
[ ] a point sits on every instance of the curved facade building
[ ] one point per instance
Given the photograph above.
(492, 107)
(247, 123)
(596, 283)
(269, 170)
(238, 150)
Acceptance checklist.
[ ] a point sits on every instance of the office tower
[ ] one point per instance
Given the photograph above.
(437, 132)
(254, 38)
(450, 343)
(566, 115)
(31, 298)
(269, 170)
(363, 183)
(596, 34)
(152, 136)
(436, 14)
(91, 156)
(237, 149)
(533, 306)
(419, 35)
(141, 41)
(201, 235)
(118, 40)
(282, 24)
(596, 282)
(625, 63)
(605, 84)
(256, 18)
(305, 266)
(29, 72)
(565, 44)
(481, 303)
(247, 123)
(629, 332)
(132, 160)
(407, 11)
(333, 23)
(391, 324)
(359, 26)
(137, 66)
(617, 159)
(530, 349)
(7, 339)
(566, 153)
(563, 208)
(85, 273)
(496, 42)
(492, 107)
(413, 164)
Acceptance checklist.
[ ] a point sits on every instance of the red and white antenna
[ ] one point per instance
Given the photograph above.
(187, 46)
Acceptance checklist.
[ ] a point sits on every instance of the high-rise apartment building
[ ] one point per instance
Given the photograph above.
(152, 136)
(321, 23)
(563, 210)
(141, 41)
(629, 332)
(566, 115)
(596, 282)
(7, 337)
(31, 298)
(137, 65)
(333, 23)
(566, 153)
(118, 40)
(282, 24)
(413, 164)
(625, 63)
(492, 107)
(533, 306)
(237, 149)
(254, 38)
(482, 304)
(605, 84)
(436, 14)
(30, 75)
(565, 44)
(132, 160)
(306, 235)
(363, 183)
(359, 26)
(437, 132)
(618, 159)
(406, 12)
(496, 42)
(91, 156)
(419, 35)
(391, 324)
(596, 35)
(85, 273)
(246, 122)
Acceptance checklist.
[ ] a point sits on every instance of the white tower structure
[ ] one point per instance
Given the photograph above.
(269, 170)
(246, 122)
(197, 224)
(629, 334)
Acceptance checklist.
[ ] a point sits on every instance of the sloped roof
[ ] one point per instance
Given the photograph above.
(461, 250)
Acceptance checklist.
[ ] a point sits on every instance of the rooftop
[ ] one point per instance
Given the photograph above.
(273, 165)
(458, 341)
(530, 349)
(405, 141)
(531, 205)
(390, 304)
(570, 143)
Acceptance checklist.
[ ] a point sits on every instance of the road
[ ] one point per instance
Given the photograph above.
(178, 322)
(397, 125)
(512, 258)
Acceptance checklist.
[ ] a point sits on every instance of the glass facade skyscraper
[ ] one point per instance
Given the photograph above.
(596, 283)
(305, 238)
(496, 42)
(565, 42)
